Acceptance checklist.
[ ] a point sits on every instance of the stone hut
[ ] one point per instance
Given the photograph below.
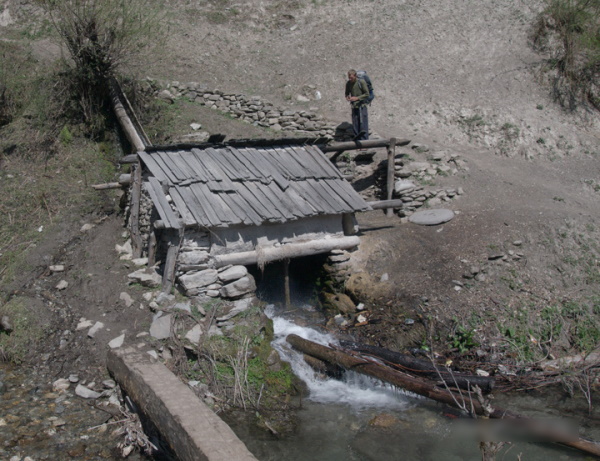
(208, 211)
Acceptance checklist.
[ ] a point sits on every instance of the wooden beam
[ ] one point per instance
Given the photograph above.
(391, 153)
(171, 261)
(290, 250)
(124, 180)
(286, 288)
(136, 193)
(370, 143)
(386, 204)
(131, 158)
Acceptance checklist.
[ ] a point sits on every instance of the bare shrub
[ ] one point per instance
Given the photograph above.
(569, 31)
(101, 37)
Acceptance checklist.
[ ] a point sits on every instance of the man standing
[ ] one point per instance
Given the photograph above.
(357, 93)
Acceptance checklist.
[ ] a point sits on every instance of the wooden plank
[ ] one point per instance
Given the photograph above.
(310, 195)
(273, 157)
(276, 198)
(328, 187)
(171, 260)
(201, 201)
(196, 159)
(306, 162)
(224, 215)
(274, 213)
(244, 213)
(195, 206)
(202, 159)
(153, 166)
(177, 158)
(169, 160)
(154, 188)
(346, 193)
(172, 177)
(257, 157)
(304, 205)
(291, 162)
(252, 201)
(234, 169)
(184, 211)
(271, 167)
(195, 166)
(289, 165)
(323, 161)
(251, 161)
(333, 202)
(239, 170)
(289, 204)
(391, 153)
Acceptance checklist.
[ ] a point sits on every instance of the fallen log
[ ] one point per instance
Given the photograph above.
(466, 402)
(420, 367)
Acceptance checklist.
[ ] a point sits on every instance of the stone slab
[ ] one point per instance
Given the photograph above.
(431, 217)
(191, 428)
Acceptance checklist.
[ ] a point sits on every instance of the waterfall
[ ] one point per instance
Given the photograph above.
(355, 390)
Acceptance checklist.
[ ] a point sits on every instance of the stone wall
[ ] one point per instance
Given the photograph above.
(251, 109)
(413, 176)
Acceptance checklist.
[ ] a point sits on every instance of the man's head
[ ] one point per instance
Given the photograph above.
(352, 75)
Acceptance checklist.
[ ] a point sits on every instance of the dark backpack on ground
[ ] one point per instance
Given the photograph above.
(362, 74)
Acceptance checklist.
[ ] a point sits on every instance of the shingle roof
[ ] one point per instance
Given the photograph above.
(226, 185)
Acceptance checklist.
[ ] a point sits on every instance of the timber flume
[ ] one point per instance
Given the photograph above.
(429, 389)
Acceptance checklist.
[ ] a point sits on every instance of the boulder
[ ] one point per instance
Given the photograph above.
(146, 277)
(161, 327)
(239, 288)
(193, 280)
(233, 273)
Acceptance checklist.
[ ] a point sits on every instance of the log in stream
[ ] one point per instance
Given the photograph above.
(464, 401)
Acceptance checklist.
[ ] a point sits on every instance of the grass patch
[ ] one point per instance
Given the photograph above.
(27, 329)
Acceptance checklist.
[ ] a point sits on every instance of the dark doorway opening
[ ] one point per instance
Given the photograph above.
(305, 275)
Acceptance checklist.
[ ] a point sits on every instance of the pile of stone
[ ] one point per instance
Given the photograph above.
(338, 265)
(231, 282)
(251, 109)
(410, 175)
(414, 196)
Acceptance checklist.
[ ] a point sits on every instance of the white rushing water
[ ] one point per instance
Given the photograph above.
(356, 390)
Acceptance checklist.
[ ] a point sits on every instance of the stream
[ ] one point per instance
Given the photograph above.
(357, 418)
(365, 420)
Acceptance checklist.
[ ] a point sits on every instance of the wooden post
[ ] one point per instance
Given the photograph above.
(286, 274)
(136, 193)
(391, 154)
(171, 261)
(152, 248)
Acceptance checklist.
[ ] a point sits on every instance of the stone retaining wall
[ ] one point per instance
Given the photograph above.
(410, 176)
(250, 109)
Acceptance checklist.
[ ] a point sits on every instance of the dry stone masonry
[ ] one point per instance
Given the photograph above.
(250, 109)
(410, 176)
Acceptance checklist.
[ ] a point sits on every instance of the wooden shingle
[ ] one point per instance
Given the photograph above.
(221, 186)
